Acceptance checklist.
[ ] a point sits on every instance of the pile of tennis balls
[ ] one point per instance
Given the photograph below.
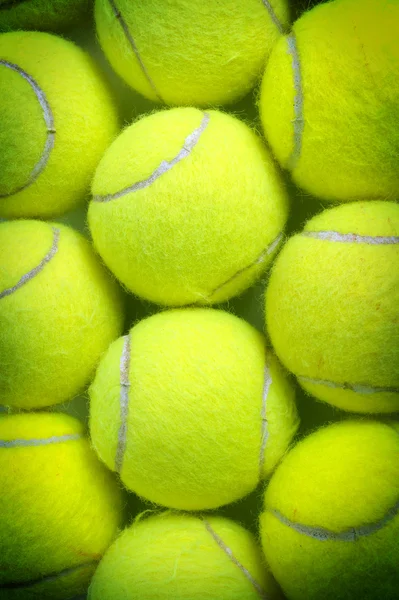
(199, 300)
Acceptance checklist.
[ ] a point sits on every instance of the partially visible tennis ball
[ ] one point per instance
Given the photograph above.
(194, 52)
(57, 119)
(191, 409)
(329, 100)
(54, 15)
(188, 207)
(185, 558)
(331, 522)
(59, 507)
(59, 311)
(332, 306)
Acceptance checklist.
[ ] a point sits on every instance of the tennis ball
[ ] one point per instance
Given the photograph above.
(59, 311)
(59, 507)
(191, 409)
(57, 119)
(331, 522)
(184, 557)
(329, 100)
(188, 207)
(42, 14)
(197, 52)
(332, 306)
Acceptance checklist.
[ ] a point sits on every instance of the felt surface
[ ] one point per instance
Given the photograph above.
(332, 307)
(340, 91)
(201, 231)
(52, 15)
(59, 507)
(72, 109)
(55, 325)
(176, 556)
(194, 52)
(209, 410)
(341, 484)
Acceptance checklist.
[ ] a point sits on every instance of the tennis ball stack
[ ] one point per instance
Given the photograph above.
(192, 412)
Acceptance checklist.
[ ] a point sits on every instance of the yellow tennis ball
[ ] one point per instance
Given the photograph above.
(329, 100)
(184, 557)
(191, 409)
(188, 207)
(194, 52)
(57, 119)
(59, 311)
(42, 14)
(331, 522)
(332, 306)
(59, 507)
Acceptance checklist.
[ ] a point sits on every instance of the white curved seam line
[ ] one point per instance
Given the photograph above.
(261, 593)
(273, 16)
(259, 260)
(46, 578)
(189, 144)
(124, 403)
(49, 121)
(349, 535)
(298, 121)
(55, 439)
(135, 49)
(334, 236)
(267, 382)
(36, 270)
(354, 387)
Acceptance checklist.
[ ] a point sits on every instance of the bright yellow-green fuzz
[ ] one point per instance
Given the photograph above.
(331, 522)
(329, 100)
(59, 311)
(59, 508)
(52, 15)
(332, 306)
(57, 119)
(188, 207)
(195, 52)
(191, 409)
(185, 558)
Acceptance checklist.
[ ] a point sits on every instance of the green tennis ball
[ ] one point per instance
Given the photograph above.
(331, 522)
(59, 507)
(197, 52)
(185, 558)
(329, 100)
(59, 311)
(332, 306)
(191, 409)
(188, 207)
(57, 119)
(42, 14)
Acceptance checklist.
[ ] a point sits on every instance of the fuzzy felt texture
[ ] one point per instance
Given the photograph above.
(72, 111)
(188, 207)
(195, 413)
(185, 558)
(59, 507)
(330, 100)
(54, 325)
(52, 15)
(190, 52)
(331, 522)
(332, 306)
